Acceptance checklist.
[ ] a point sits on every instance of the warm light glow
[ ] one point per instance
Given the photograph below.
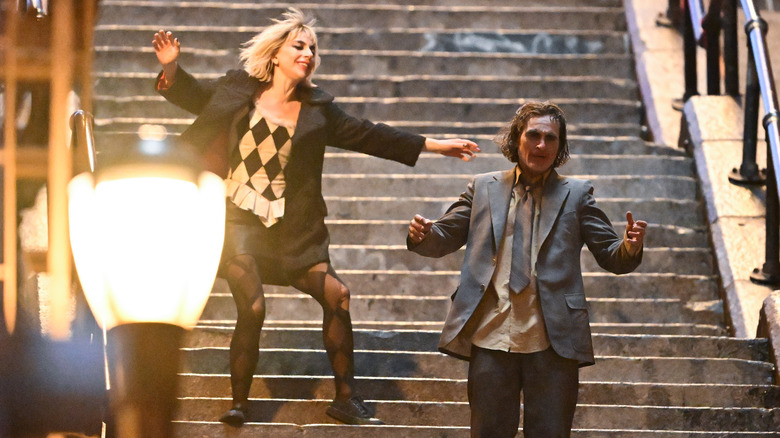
(147, 248)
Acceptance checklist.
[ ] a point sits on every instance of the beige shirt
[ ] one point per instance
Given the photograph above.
(513, 322)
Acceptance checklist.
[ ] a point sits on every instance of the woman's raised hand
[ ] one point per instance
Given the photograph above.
(166, 47)
(457, 148)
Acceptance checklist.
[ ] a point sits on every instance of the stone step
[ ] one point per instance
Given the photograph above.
(696, 261)
(216, 430)
(580, 146)
(466, 3)
(420, 185)
(457, 414)
(125, 58)
(685, 287)
(432, 389)
(600, 284)
(372, 16)
(580, 164)
(474, 110)
(692, 261)
(468, 129)
(427, 340)
(684, 329)
(289, 306)
(393, 232)
(380, 85)
(401, 364)
(117, 130)
(681, 213)
(219, 34)
(485, 110)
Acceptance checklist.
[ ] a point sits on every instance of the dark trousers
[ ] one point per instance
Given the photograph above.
(549, 384)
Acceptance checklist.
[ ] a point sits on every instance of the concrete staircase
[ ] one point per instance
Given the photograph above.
(666, 366)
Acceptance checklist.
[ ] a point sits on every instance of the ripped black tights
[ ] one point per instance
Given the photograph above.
(322, 283)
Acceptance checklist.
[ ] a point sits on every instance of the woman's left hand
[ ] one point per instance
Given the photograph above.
(456, 147)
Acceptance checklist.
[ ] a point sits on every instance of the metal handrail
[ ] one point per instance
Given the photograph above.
(696, 10)
(40, 7)
(760, 82)
(760, 67)
(756, 28)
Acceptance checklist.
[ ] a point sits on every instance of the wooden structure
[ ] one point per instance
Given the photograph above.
(50, 45)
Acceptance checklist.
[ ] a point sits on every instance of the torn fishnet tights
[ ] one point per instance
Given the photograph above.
(322, 283)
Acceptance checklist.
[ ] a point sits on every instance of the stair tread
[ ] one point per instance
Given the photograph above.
(439, 389)
(300, 431)
(421, 413)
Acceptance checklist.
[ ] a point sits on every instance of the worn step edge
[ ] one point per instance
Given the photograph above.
(102, 121)
(421, 308)
(310, 361)
(379, 77)
(209, 428)
(244, 5)
(613, 328)
(397, 53)
(635, 345)
(403, 412)
(387, 231)
(632, 103)
(326, 31)
(432, 389)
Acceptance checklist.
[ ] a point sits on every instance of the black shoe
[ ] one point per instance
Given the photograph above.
(352, 411)
(235, 416)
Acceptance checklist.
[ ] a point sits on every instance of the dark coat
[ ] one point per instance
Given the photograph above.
(569, 219)
(320, 122)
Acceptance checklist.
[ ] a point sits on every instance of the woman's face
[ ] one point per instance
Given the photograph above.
(295, 59)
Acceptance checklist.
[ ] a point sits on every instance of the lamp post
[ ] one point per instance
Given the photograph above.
(146, 231)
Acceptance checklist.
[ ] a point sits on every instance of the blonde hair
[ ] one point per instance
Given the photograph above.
(258, 53)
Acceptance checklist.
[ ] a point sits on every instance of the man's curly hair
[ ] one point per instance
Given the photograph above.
(508, 137)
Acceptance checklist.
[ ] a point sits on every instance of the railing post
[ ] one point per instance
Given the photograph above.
(748, 172)
(711, 42)
(769, 274)
(689, 50)
(672, 16)
(730, 48)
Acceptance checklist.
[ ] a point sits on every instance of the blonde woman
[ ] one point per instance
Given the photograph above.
(265, 128)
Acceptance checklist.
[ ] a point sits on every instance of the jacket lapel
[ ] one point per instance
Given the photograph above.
(556, 191)
(499, 191)
(230, 97)
(310, 119)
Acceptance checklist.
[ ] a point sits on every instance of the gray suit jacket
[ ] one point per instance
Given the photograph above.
(569, 219)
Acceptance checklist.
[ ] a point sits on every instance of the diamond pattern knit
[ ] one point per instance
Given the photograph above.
(256, 177)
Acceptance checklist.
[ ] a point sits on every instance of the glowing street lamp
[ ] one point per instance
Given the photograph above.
(146, 231)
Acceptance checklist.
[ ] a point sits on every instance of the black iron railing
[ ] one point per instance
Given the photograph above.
(705, 30)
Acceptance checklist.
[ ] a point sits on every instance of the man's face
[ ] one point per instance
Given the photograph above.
(538, 146)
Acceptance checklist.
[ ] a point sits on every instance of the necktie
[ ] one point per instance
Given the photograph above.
(520, 275)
